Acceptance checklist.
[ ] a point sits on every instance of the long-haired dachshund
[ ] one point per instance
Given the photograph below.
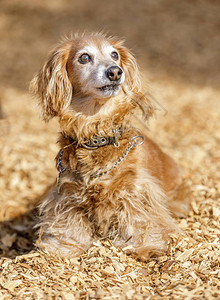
(113, 181)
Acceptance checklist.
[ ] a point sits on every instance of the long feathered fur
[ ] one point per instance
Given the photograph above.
(129, 205)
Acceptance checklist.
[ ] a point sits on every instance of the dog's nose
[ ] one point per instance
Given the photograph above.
(114, 73)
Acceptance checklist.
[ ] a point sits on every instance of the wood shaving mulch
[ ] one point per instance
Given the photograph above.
(178, 44)
(190, 269)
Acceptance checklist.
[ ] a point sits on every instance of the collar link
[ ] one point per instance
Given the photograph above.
(100, 141)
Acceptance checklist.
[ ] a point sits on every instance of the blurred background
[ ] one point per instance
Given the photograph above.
(175, 39)
(177, 46)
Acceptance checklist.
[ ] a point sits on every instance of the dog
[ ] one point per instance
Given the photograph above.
(114, 182)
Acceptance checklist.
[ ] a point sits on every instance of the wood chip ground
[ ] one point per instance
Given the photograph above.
(186, 126)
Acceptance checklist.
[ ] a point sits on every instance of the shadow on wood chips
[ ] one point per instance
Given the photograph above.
(17, 235)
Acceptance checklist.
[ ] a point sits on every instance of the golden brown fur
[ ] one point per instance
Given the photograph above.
(129, 204)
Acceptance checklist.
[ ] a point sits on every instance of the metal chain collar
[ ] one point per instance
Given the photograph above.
(132, 143)
(60, 167)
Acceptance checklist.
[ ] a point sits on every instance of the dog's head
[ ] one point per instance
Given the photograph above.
(83, 73)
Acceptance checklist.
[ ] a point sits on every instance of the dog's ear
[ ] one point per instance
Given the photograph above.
(132, 86)
(52, 85)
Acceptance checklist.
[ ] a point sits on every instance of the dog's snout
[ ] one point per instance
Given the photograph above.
(114, 73)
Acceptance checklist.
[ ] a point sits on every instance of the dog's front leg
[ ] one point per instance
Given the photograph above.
(142, 239)
(143, 228)
(64, 228)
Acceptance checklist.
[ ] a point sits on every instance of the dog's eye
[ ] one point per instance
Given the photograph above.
(84, 58)
(114, 55)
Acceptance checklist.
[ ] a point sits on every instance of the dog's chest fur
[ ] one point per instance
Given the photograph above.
(101, 199)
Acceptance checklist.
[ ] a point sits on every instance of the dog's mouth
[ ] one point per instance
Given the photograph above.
(109, 88)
